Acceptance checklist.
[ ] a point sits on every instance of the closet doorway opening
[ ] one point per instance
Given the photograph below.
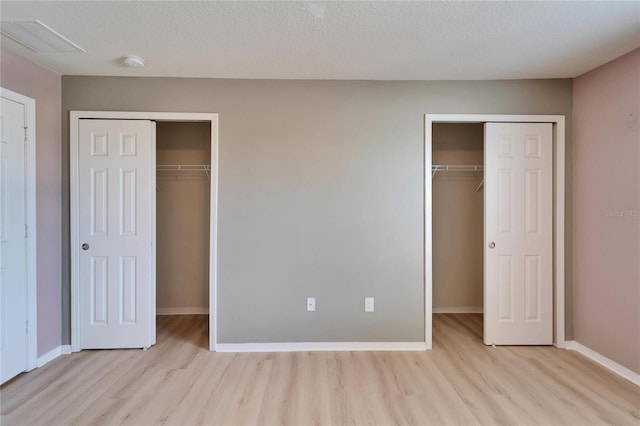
(456, 209)
(183, 198)
(125, 162)
(458, 216)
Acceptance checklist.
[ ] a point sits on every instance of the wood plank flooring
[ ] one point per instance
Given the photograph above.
(459, 382)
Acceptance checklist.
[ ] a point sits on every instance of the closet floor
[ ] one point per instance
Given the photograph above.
(459, 382)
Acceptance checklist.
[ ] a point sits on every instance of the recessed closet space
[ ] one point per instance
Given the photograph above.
(183, 155)
(457, 177)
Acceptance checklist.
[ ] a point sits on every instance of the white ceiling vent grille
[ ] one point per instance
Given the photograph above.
(38, 37)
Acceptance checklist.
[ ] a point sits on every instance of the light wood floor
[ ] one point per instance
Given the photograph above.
(459, 382)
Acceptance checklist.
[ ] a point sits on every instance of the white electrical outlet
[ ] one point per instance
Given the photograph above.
(368, 304)
(311, 304)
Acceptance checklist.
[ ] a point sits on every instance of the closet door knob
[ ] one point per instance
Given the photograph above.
(85, 247)
(492, 245)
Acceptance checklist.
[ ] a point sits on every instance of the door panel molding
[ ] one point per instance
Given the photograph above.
(558, 122)
(32, 287)
(75, 117)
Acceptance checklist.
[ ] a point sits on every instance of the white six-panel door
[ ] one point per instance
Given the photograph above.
(518, 283)
(116, 164)
(13, 242)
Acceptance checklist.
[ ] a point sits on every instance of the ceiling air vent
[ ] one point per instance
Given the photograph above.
(38, 37)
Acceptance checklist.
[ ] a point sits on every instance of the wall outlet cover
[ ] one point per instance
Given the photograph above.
(311, 304)
(369, 304)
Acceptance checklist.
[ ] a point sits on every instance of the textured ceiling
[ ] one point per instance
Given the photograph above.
(335, 40)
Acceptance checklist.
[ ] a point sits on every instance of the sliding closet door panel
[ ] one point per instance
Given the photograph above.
(115, 174)
(518, 234)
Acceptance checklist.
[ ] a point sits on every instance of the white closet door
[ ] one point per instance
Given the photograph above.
(13, 243)
(116, 171)
(518, 295)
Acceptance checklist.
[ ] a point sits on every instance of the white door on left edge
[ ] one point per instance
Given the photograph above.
(13, 242)
(116, 170)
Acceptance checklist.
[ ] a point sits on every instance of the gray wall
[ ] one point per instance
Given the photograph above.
(321, 193)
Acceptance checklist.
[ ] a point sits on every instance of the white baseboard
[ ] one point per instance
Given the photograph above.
(53, 354)
(633, 377)
(459, 310)
(320, 346)
(181, 311)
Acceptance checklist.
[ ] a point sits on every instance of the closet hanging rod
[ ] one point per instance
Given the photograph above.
(185, 167)
(455, 168)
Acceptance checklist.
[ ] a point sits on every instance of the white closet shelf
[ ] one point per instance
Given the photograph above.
(458, 168)
(455, 168)
(185, 167)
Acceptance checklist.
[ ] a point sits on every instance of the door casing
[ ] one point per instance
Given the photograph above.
(32, 283)
(558, 122)
(75, 117)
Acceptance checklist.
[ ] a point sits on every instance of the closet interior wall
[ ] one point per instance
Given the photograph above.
(458, 219)
(182, 222)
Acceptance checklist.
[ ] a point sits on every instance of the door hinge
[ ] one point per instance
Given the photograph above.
(26, 230)
(26, 331)
(25, 135)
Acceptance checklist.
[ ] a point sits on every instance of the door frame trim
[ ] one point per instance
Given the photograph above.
(75, 117)
(31, 219)
(558, 122)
